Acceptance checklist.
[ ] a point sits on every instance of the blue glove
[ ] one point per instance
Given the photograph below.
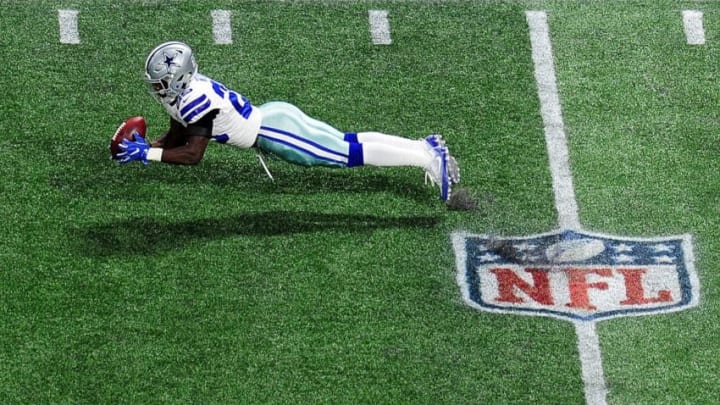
(132, 151)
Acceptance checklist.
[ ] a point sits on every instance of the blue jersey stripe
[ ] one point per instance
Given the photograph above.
(189, 106)
(197, 111)
(301, 139)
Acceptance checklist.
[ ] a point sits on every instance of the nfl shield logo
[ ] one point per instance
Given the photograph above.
(578, 276)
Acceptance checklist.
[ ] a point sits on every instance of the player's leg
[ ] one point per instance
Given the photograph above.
(301, 139)
(387, 139)
(292, 135)
(430, 153)
(297, 138)
(381, 149)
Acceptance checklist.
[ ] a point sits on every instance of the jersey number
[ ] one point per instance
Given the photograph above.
(242, 105)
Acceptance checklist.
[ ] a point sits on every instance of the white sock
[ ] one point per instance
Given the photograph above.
(382, 154)
(399, 141)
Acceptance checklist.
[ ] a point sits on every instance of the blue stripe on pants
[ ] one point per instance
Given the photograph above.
(297, 138)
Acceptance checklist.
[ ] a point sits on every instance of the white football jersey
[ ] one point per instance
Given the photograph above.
(237, 122)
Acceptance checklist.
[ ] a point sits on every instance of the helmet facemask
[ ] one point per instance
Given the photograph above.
(160, 90)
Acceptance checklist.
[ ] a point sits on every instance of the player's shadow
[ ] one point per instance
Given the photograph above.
(238, 172)
(147, 235)
(246, 175)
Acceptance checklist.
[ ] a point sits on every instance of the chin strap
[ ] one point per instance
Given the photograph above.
(261, 158)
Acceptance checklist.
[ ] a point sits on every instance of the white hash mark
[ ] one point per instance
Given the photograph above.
(379, 27)
(68, 20)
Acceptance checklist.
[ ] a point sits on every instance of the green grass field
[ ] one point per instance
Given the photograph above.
(212, 284)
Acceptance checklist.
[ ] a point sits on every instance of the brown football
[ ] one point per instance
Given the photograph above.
(127, 130)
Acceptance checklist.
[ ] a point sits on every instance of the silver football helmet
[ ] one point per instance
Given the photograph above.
(168, 70)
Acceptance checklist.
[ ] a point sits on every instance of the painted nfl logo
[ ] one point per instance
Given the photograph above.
(574, 275)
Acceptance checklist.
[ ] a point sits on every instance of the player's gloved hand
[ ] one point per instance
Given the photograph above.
(132, 151)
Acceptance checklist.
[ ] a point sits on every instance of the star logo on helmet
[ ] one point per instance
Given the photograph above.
(169, 61)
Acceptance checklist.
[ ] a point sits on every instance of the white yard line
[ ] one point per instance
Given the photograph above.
(693, 24)
(379, 27)
(591, 362)
(552, 119)
(69, 26)
(222, 31)
(565, 203)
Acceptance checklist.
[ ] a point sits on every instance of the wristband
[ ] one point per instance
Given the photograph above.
(155, 154)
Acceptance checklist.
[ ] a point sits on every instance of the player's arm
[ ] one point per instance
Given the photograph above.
(189, 154)
(172, 138)
(188, 144)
